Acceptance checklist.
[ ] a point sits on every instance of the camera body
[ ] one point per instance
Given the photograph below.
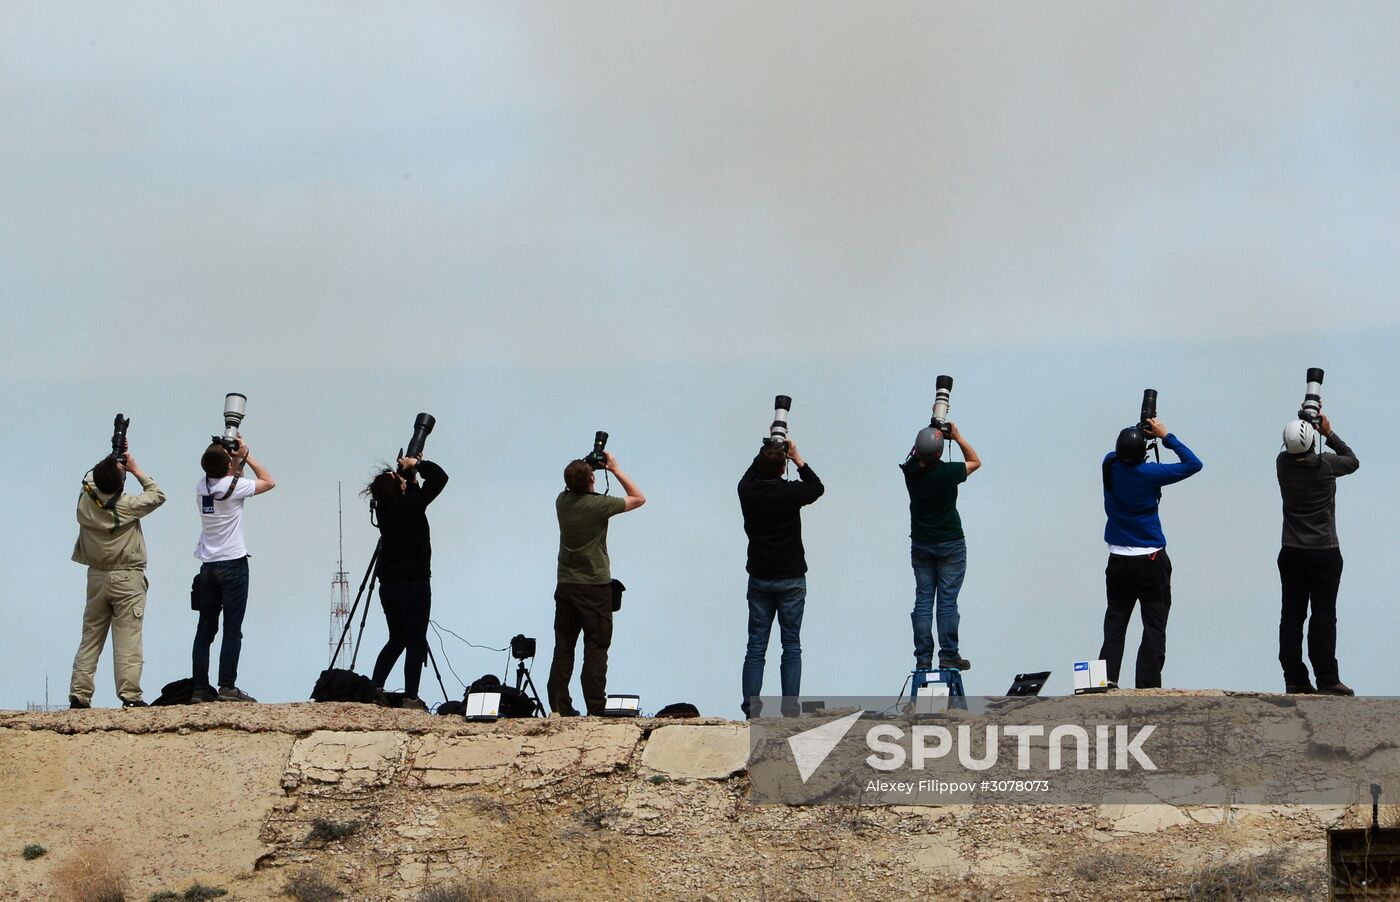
(521, 647)
(778, 430)
(942, 400)
(1311, 411)
(596, 458)
(1149, 410)
(235, 408)
(119, 426)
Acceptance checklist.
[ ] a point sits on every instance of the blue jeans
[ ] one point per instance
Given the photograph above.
(939, 568)
(226, 591)
(784, 599)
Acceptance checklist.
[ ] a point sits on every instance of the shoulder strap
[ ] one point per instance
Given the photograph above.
(209, 487)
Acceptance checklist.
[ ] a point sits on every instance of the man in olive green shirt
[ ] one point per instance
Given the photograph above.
(110, 543)
(583, 598)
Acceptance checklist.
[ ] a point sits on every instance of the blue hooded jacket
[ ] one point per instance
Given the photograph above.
(1131, 495)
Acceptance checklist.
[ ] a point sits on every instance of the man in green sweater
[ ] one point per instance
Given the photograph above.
(583, 598)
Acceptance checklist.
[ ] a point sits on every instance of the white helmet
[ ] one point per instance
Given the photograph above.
(1298, 437)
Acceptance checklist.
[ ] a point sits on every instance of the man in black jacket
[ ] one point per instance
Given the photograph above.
(404, 569)
(1310, 561)
(777, 564)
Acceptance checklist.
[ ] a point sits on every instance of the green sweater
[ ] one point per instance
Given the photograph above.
(933, 500)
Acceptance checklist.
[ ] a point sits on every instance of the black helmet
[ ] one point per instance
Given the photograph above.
(1132, 446)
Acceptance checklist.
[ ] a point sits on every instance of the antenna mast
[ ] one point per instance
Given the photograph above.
(340, 592)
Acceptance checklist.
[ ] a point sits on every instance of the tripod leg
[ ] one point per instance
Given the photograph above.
(371, 576)
(437, 673)
(523, 679)
(350, 618)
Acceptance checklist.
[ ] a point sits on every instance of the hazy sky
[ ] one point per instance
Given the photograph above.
(539, 221)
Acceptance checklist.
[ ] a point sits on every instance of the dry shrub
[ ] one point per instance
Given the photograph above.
(1263, 876)
(477, 891)
(92, 874)
(311, 886)
(325, 830)
(1111, 864)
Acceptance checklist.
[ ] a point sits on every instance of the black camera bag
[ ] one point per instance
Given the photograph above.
(514, 702)
(344, 686)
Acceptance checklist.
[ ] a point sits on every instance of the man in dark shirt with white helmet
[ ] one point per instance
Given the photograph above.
(1310, 561)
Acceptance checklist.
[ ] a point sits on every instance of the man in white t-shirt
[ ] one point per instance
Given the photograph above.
(222, 586)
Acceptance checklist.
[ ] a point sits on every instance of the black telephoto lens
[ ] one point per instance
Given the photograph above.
(1315, 374)
(596, 458)
(422, 427)
(943, 382)
(1149, 405)
(119, 435)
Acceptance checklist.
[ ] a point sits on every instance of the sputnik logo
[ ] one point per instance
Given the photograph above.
(811, 747)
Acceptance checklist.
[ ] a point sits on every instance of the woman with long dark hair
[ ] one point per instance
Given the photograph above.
(405, 557)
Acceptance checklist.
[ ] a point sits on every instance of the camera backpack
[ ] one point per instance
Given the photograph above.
(344, 686)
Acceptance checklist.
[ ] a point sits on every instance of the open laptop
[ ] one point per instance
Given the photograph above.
(1028, 683)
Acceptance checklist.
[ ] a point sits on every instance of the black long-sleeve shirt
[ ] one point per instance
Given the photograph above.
(407, 551)
(1308, 483)
(773, 521)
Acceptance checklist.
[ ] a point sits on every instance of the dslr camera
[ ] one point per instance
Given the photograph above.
(521, 647)
(1311, 411)
(235, 406)
(778, 431)
(422, 428)
(942, 394)
(119, 436)
(596, 458)
(1149, 410)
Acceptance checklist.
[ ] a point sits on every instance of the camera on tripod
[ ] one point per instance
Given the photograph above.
(1311, 411)
(942, 395)
(235, 407)
(522, 648)
(778, 431)
(119, 426)
(1149, 410)
(596, 458)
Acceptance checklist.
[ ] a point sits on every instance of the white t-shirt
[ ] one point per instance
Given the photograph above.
(221, 521)
(1131, 550)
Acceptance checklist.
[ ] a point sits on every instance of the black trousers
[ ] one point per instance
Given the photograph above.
(1130, 579)
(587, 609)
(407, 607)
(1309, 575)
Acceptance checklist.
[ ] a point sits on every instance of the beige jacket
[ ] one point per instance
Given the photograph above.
(111, 539)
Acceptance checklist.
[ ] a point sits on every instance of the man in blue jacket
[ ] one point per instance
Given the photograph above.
(1138, 566)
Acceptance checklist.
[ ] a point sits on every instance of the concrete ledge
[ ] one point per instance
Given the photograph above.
(703, 752)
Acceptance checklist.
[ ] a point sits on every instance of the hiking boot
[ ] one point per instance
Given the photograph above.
(233, 694)
(954, 663)
(1299, 689)
(923, 664)
(134, 703)
(1337, 688)
(200, 696)
(411, 704)
(76, 704)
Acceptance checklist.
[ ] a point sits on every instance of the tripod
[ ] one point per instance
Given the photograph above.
(372, 576)
(523, 679)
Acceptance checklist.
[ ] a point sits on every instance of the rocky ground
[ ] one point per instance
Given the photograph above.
(381, 804)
